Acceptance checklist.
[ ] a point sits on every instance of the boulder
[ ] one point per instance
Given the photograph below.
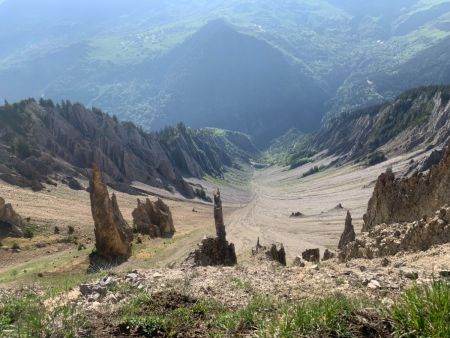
(327, 255)
(311, 255)
(154, 219)
(11, 224)
(113, 236)
(298, 261)
(275, 253)
(349, 232)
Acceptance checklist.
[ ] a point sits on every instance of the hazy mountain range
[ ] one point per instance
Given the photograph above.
(260, 67)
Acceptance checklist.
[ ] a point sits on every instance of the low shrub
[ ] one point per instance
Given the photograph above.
(28, 232)
(376, 158)
(312, 171)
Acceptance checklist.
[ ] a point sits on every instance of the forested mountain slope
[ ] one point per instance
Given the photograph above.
(159, 62)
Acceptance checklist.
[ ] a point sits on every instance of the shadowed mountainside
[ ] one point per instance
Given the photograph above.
(417, 118)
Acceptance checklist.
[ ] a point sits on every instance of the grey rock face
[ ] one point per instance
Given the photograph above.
(389, 239)
(64, 140)
(409, 199)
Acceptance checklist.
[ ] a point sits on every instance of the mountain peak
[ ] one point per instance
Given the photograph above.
(216, 27)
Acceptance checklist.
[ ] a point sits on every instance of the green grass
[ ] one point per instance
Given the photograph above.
(421, 311)
(27, 316)
(324, 317)
(424, 311)
(25, 273)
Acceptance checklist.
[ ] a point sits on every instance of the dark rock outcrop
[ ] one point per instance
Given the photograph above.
(211, 251)
(218, 217)
(298, 261)
(389, 239)
(154, 219)
(217, 250)
(73, 184)
(277, 253)
(408, 199)
(113, 236)
(349, 232)
(11, 224)
(327, 255)
(311, 255)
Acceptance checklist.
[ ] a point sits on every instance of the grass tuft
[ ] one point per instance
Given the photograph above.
(424, 311)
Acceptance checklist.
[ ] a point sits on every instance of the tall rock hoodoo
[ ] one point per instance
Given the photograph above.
(113, 236)
(215, 250)
(349, 232)
(153, 219)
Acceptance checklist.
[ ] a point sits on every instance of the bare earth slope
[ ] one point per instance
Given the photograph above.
(257, 209)
(278, 192)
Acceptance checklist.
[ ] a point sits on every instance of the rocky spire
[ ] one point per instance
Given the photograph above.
(349, 232)
(113, 236)
(217, 250)
(218, 217)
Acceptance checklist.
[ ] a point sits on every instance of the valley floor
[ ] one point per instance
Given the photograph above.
(154, 294)
(257, 204)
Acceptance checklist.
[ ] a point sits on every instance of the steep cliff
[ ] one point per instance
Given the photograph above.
(409, 198)
(418, 117)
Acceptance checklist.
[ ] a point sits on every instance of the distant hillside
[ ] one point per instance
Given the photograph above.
(43, 142)
(275, 65)
(418, 118)
(219, 78)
